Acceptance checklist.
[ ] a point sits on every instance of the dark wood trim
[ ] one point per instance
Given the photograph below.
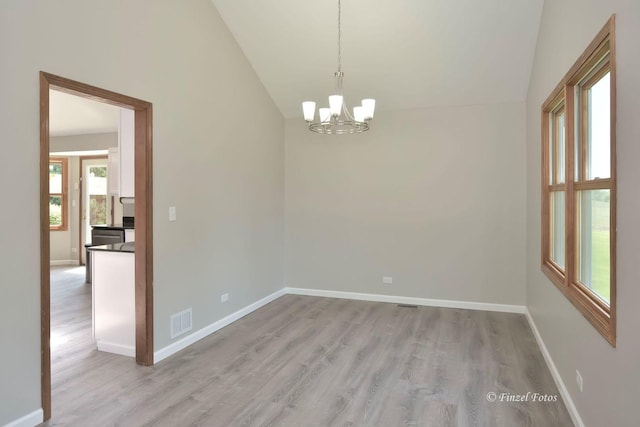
(570, 238)
(144, 236)
(599, 184)
(544, 183)
(45, 252)
(144, 224)
(613, 222)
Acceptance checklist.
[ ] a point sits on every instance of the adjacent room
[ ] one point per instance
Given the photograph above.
(229, 212)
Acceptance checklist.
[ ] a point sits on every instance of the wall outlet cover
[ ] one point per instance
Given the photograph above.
(579, 381)
(181, 322)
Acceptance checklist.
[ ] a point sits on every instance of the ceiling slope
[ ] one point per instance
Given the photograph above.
(74, 115)
(406, 54)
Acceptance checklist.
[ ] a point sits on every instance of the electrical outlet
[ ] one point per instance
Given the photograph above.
(74, 250)
(387, 280)
(224, 297)
(579, 380)
(172, 213)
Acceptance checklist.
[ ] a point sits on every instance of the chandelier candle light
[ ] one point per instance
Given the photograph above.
(337, 119)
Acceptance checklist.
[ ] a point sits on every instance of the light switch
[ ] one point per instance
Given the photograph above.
(172, 213)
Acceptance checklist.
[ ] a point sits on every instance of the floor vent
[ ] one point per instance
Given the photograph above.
(407, 306)
(181, 322)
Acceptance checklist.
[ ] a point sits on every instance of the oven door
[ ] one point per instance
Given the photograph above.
(106, 237)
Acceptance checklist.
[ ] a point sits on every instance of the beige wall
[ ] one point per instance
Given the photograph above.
(611, 375)
(225, 178)
(96, 141)
(434, 198)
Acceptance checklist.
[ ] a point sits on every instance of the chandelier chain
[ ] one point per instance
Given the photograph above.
(337, 119)
(339, 38)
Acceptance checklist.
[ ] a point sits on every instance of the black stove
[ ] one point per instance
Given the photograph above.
(128, 221)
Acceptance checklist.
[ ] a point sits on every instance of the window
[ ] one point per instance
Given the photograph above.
(58, 218)
(579, 184)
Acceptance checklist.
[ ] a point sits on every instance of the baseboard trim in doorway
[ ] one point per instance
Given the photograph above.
(564, 392)
(185, 342)
(122, 350)
(32, 419)
(64, 262)
(469, 305)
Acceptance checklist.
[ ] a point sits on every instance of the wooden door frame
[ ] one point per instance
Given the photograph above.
(143, 213)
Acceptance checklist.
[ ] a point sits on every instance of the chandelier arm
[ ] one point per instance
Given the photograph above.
(347, 113)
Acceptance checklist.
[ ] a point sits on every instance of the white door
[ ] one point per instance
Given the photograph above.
(97, 206)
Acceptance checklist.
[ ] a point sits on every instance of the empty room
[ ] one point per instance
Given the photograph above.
(347, 212)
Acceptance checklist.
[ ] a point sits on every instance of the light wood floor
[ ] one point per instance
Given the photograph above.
(308, 361)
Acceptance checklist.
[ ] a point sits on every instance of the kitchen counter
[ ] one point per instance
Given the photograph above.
(114, 227)
(128, 247)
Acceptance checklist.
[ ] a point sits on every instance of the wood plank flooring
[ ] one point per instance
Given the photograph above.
(308, 361)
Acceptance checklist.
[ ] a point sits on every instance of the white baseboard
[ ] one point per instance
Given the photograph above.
(175, 347)
(32, 419)
(123, 350)
(470, 305)
(64, 262)
(564, 392)
(183, 343)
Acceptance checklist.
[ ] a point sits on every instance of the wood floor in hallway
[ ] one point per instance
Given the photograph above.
(309, 361)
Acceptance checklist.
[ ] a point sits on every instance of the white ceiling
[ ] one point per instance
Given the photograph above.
(405, 53)
(73, 115)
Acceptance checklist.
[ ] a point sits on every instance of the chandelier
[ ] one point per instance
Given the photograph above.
(337, 119)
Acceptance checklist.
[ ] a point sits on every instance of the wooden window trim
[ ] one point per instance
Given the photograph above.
(65, 194)
(593, 64)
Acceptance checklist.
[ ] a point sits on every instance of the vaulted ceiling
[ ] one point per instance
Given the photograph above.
(405, 53)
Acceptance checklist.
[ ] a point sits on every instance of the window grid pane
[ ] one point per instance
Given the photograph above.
(594, 241)
(557, 241)
(598, 148)
(55, 211)
(559, 140)
(55, 177)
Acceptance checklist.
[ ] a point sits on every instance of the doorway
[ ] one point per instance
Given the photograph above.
(97, 207)
(143, 214)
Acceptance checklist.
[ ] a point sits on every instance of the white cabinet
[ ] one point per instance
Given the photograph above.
(121, 159)
(114, 302)
(126, 144)
(113, 170)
